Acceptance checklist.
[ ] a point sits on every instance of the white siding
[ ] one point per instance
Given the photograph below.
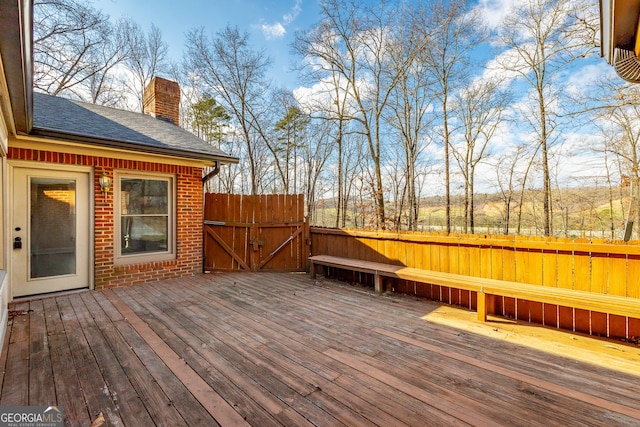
(4, 283)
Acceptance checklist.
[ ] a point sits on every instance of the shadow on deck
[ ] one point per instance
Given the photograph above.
(280, 349)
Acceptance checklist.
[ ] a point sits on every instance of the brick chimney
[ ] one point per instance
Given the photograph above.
(161, 99)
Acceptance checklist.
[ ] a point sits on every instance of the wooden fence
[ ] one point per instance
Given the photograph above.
(583, 264)
(252, 233)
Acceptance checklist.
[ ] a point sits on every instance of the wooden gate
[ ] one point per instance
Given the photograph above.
(255, 233)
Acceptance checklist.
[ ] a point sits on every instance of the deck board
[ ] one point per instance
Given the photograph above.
(89, 374)
(284, 350)
(41, 385)
(65, 370)
(176, 395)
(160, 406)
(113, 380)
(16, 370)
(226, 381)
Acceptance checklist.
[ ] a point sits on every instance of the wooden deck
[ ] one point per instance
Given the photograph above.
(268, 349)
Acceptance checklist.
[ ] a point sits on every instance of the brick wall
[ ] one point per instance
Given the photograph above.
(161, 98)
(189, 219)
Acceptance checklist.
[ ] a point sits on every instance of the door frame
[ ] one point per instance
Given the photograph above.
(25, 164)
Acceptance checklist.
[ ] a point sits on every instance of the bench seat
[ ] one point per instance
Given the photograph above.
(592, 301)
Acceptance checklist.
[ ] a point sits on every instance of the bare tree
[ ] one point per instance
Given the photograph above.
(452, 33)
(541, 38)
(342, 197)
(106, 84)
(397, 186)
(479, 109)
(75, 51)
(610, 193)
(290, 130)
(316, 152)
(357, 40)
(354, 164)
(228, 67)
(410, 103)
(619, 122)
(330, 103)
(506, 169)
(147, 56)
(617, 169)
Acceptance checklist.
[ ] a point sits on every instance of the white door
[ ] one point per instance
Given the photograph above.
(50, 231)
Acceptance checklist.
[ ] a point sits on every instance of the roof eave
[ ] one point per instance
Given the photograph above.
(130, 146)
(17, 56)
(618, 31)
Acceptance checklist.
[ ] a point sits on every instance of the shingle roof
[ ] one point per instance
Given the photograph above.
(99, 125)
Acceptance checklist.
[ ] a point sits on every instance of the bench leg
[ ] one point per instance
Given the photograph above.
(482, 307)
(377, 280)
(312, 271)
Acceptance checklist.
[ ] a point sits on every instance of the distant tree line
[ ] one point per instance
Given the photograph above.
(396, 99)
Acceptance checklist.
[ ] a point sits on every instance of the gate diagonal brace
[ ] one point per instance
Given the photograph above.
(279, 248)
(227, 248)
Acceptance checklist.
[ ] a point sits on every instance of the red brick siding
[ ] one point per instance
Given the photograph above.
(161, 98)
(189, 218)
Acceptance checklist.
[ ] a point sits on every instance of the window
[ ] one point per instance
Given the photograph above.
(145, 218)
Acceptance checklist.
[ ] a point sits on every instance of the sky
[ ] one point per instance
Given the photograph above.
(271, 24)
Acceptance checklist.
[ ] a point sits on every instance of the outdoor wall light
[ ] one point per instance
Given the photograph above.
(105, 183)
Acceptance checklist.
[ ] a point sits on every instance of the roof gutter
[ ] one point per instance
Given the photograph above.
(129, 146)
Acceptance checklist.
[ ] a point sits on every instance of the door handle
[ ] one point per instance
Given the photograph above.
(17, 243)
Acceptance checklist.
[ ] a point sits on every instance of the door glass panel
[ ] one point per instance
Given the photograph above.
(53, 227)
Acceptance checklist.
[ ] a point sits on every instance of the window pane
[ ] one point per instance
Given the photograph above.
(144, 234)
(144, 196)
(53, 227)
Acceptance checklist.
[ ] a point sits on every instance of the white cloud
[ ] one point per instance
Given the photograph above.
(278, 30)
(321, 97)
(493, 12)
(318, 98)
(290, 16)
(504, 66)
(575, 162)
(275, 31)
(580, 81)
(310, 97)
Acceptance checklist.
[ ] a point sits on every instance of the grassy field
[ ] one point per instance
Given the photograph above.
(578, 212)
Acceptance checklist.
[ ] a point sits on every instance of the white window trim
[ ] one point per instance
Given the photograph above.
(170, 253)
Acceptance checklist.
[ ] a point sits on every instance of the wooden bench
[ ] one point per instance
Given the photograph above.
(592, 301)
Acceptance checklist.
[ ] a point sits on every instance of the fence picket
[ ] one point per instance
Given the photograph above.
(582, 264)
(263, 232)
